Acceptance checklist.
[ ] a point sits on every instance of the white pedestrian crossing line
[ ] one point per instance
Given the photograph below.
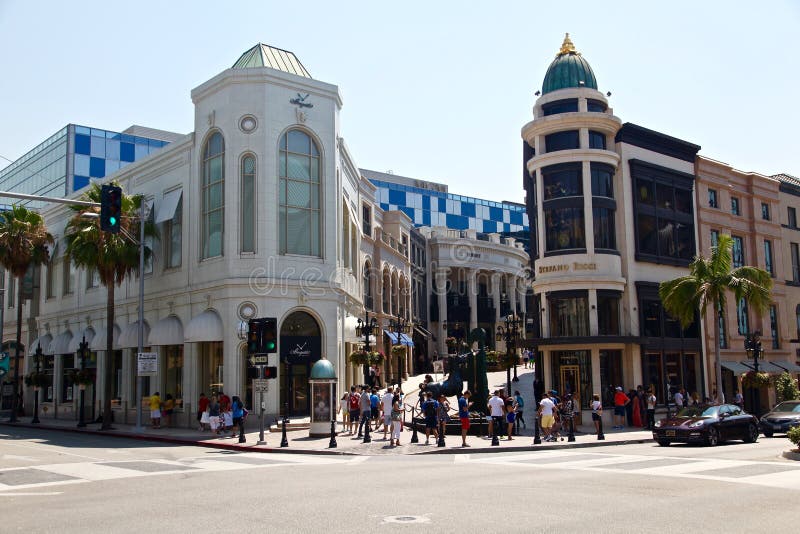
(772, 474)
(16, 479)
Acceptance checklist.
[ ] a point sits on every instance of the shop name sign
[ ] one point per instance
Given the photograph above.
(574, 266)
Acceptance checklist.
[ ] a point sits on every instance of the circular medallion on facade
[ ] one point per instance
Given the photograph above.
(247, 310)
(248, 124)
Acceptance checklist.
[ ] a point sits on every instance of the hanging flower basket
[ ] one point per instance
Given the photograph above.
(376, 358)
(36, 380)
(451, 343)
(398, 350)
(81, 378)
(752, 379)
(359, 357)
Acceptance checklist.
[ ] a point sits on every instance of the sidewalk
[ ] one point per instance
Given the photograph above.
(301, 443)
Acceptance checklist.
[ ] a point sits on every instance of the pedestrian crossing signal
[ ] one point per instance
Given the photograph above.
(5, 363)
(270, 372)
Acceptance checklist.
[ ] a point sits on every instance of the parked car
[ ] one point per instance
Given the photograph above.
(781, 418)
(707, 424)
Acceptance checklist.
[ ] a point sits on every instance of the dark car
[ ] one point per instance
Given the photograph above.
(707, 424)
(781, 418)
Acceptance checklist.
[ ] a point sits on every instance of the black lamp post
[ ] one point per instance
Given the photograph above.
(83, 352)
(37, 357)
(397, 327)
(752, 346)
(509, 333)
(366, 328)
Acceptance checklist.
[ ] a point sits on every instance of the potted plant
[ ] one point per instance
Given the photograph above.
(81, 378)
(36, 380)
(753, 379)
(359, 357)
(398, 350)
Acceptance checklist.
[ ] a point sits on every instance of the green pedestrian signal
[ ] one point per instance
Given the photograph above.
(110, 208)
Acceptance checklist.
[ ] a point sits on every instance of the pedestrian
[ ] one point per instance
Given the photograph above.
(738, 399)
(525, 358)
(677, 398)
(213, 415)
(227, 420)
(620, 401)
(378, 379)
(520, 405)
(224, 402)
(651, 410)
(168, 410)
(397, 419)
(546, 411)
(202, 411)
(387, 402)
(344, 409)
(464, 405)
(496, 408)
(353, 403)
(365, 403)
(238, 413)
(686, 398)
(443, 414)
(511, 409)
(375, 410)
(371, 376)
(568, 412)
(430, 409)
(155, 410)
(597, 412)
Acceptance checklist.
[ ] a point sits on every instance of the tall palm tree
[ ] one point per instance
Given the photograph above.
(708, 282)
(112, 256)
(23, 244)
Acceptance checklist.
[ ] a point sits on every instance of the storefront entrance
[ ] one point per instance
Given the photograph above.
(300, 348)
(570, 380)
(572, 371)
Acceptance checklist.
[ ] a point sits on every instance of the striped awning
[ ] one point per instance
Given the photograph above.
(405, 340)
(737, 368)
(392, 336)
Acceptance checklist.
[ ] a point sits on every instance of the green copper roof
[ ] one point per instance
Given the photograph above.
(323, 370)
(262, 55)
(568, 69)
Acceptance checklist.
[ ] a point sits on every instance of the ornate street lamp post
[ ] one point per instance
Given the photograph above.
(509, 333)
(83, 353)
(397, 327)
(752, 346)
(366, 328)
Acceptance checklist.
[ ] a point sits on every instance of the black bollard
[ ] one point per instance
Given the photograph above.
(495, 441)
(440, 441)
(241, 431)
(537, 440)
(332, 443)
(367, 438)
(284, 441)
(600, 435)
(414, 437)
(571, 435)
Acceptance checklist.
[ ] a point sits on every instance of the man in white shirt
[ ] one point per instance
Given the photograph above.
(386, 407)
(496, 408)
(678, 399)
(546, 407)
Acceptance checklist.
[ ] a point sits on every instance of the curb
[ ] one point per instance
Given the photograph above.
(521, 448)
(792, 455)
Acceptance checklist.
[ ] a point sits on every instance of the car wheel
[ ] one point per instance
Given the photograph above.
(663, 442)
(768, 433)
(713, 437)
(752, 434)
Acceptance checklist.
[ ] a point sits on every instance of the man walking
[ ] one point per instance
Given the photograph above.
(651, 410)
(386, 407)
(429, 409)
(496, 409)
(464, 405)
(353, 403)
(366, 409)
(546, 407)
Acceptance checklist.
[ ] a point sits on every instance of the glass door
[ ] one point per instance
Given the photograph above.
(570, 383)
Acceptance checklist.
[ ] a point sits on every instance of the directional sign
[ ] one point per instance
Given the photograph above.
(260, 385)
(147, 363)
(260, 359)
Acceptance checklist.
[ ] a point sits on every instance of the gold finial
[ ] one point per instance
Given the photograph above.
(567, 47)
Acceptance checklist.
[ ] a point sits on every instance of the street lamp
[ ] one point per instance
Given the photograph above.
(83, 353)
(752, 346)
(366, 328)
(37, 358)
(397, 327)
(509, 333)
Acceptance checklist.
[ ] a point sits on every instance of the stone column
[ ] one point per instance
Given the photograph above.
(191, 375)
(472, 288)
(511, 284)
(588, 220)
(523, 295)
(441, 290)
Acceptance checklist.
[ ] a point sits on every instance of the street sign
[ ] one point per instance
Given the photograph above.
(147, 363)
(260, 359)
(260, 385)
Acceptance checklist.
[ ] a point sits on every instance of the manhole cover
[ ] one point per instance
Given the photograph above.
(405, 519)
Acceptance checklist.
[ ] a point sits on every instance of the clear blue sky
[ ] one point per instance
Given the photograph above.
(436, 90)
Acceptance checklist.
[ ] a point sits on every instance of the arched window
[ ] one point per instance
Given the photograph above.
(213, 199)
(346, 237)
(367, 281)
(247, 203)
(299, 213)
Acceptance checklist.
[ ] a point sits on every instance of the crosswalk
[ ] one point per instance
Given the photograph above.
(19, 480)
(771, 474)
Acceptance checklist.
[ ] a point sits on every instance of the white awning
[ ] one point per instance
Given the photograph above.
(42, 341)
(75, 342)
(129, 339)
(99, 340)
(60, 344)
(789, 366)
(205, 327)
(736, 367)
(167, 331)
(168, 205)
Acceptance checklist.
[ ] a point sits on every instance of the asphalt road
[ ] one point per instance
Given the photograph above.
(58, 482)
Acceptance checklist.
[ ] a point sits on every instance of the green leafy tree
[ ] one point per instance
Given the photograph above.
(707, 285)
(786, 387)
(112, 256)
(23, 244)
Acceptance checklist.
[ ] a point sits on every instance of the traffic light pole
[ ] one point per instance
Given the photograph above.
(138, 427)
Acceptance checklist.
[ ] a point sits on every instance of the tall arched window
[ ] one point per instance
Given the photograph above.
(247, 202)
(213, 200)
(299, 213)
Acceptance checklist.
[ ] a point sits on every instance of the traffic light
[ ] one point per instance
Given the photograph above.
(269, 340)
(270, 372)
(5, 362)
(110, 208)
(254, 327)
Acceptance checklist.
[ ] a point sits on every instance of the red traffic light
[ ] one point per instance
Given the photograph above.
(270, 372)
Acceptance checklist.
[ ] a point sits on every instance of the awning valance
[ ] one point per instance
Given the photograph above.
(405, 340)
(129, 339)
(42, 341)
(99, 340)
(768, 367)
(789, 366)
(392, 336)
(75, 342)
(736, 367)
(205, 327)
(168, 205)
(60, 344)
(167, 331)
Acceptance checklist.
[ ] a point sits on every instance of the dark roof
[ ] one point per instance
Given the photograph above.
(657, 142)
(262, 55)
(568, 69)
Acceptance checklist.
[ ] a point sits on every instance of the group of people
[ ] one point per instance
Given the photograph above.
(556, 414)
(221, 414)
(506, 413)
(161, 410)
(362, 408)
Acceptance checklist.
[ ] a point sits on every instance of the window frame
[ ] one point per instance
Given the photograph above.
(736, 206)
(769, 264)
(284, 182)
(773, 326)
(250, 198)
(791, 214)
(169, 234)
(765, 212)
(741, 259)
(205, 186)
(713, 198)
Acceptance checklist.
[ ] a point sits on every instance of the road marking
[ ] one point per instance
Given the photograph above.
(30, 494)
(20, 458)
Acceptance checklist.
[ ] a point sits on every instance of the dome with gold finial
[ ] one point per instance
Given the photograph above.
(568, 69)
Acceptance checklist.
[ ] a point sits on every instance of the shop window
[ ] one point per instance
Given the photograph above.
(569, 314)
(116, 380)
(792, 214)
(653, 375)
(604, 228)
(712, 198)
(608, 313)
(566, 140)
(610, 375)
(565, 228)
(67, 361)
(213, 196)
(564, 180)
(597, 140)
(173, 372)
(737, 251)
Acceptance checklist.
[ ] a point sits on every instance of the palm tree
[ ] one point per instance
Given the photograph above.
(112, 256)
(708, 283)
(23, 244)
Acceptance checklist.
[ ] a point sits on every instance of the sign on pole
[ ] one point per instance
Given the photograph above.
(260, 385)
(260, 359)
(147, 363)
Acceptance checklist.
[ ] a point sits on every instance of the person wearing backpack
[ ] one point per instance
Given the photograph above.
(353, 405)
(429, 409)
(238, 411)
(520, 405)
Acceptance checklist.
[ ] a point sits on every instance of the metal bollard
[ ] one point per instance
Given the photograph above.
(332, 443)
(367, 424)
(571, 435)
(600, 435)
(414, 437)
(284, 440)
(537, 439)
(440, 441)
